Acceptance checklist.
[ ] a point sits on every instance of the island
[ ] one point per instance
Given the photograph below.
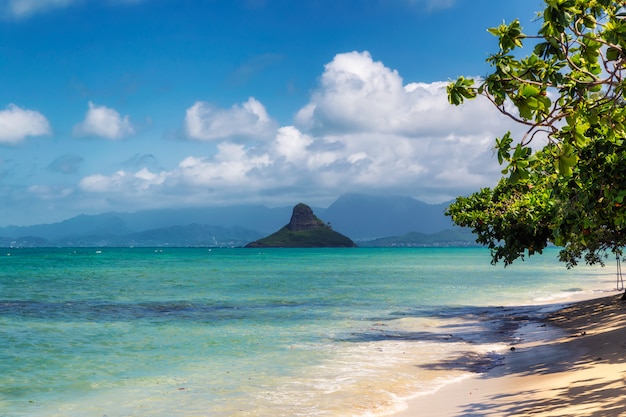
(305, 230)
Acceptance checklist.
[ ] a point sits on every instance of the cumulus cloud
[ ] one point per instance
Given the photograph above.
(123, 182)
(364, 129)
(388, 134)
(358, 94)
(104, 122)
(204, 121)
(291, 144)
(229, 175)
(17, 123)
(231, 167)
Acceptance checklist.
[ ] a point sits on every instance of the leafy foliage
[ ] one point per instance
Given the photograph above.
(569, 187)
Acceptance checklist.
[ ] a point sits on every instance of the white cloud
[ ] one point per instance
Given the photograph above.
(233, 166)
(355, 93)
(101, 183)
(431, 5)
(358, 94)
(123, 182)
(363, 130)
(104, 122)
(48, 192)
(292, 144)
(17, 123)
(21, 9)
(233, 174)
(25, 8)
(206, 122)
(388, 134)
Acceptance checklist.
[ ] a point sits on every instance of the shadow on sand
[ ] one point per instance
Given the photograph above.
(574, 375)
(570, 362)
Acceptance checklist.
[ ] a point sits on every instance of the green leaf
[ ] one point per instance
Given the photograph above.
(545, 101)
(566, 160)
(503, 147)
(529, 91)
(510, 36)
(533, 103)
(580, 138)
(613, 54)
(619, 198)
(525, 111)
(460, 90)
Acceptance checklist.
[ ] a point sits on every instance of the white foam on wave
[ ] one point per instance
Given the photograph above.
(571, 296)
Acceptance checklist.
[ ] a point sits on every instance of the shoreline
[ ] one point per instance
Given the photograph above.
(570, 363)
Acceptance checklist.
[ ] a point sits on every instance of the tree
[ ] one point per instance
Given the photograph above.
(564, 181)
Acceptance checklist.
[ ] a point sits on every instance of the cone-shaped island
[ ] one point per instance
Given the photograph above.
(304, 230)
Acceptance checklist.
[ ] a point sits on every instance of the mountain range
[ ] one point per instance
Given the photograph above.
(363, 218)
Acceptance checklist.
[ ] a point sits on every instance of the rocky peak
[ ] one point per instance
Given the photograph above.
(304, 230)
(304, 219)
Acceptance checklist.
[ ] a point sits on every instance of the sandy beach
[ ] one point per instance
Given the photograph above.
(571, 364)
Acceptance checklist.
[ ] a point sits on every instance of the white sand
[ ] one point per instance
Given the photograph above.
(572, 365)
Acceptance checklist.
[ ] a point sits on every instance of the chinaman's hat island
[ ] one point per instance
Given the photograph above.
(305, 230)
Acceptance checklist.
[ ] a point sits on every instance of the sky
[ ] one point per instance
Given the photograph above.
(126, 105)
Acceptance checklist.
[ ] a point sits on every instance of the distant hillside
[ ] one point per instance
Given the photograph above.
(359, 217)
(258, 218)
(367, 217)
(305, 230)
(193, 235)
(83, 225)
(447, 238)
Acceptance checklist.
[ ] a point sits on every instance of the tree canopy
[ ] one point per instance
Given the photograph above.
(564, 180)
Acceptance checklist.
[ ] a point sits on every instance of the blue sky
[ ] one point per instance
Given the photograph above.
(123, 105)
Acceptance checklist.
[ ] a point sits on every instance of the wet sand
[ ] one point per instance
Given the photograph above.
(573, 363)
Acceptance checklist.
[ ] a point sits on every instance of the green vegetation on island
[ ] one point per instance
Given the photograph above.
(305, 230)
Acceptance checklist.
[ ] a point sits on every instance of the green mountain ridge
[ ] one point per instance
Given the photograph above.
(366, 219)
(446, 238)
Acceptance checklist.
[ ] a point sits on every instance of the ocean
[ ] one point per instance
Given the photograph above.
(247, 332)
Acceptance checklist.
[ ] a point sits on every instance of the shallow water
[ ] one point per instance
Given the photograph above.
(248, 332)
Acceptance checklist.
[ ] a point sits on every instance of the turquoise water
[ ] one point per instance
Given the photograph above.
(248, 332)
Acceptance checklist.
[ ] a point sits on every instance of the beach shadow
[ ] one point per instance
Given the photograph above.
(468, 324)
(574, 375)
(601, 398)
(465, 326)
